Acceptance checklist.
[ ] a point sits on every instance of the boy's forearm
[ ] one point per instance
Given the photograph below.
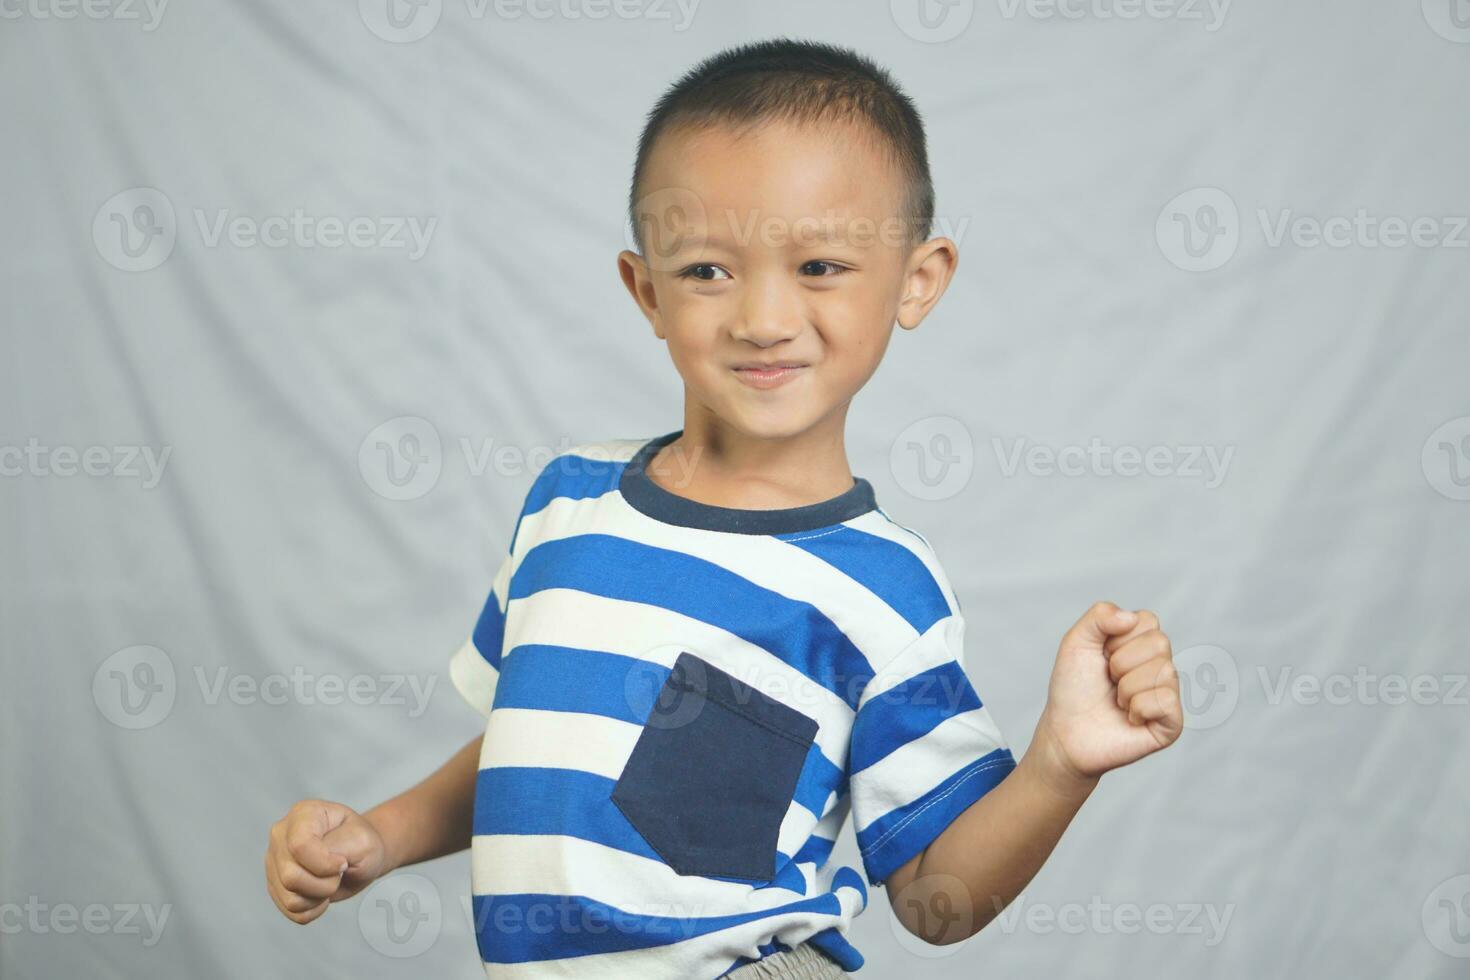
(433, 818)
(996, 846)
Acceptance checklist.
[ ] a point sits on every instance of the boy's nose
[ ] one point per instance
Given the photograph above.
(769, 313)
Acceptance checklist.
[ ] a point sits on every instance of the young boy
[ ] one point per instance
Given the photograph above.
(704, 648)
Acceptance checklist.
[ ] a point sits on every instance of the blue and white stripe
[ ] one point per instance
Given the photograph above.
(852, 624)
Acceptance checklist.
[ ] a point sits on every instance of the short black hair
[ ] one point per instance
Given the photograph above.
(803, 82)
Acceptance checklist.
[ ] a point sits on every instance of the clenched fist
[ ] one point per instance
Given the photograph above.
(319, 853)
(1114, 693)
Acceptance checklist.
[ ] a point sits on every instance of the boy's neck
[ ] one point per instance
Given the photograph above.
(713, 463)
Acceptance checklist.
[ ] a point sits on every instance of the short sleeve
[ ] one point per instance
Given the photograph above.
(475, 667)
(923, 748)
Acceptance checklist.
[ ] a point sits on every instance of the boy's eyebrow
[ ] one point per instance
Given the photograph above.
(736, 231)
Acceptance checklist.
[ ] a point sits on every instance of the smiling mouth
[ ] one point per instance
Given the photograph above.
(770, 377)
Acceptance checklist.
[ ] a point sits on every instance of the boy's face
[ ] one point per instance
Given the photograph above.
(778, 246)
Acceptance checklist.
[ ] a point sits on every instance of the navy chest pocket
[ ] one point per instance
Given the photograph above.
(714, 772)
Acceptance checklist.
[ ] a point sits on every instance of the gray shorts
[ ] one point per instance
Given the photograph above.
(804, 962)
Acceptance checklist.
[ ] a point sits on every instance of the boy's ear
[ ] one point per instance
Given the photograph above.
(929, 270)
(634, 272)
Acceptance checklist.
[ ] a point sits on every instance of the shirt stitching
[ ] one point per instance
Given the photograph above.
(976, 770)
(808, 537)
(737, 710)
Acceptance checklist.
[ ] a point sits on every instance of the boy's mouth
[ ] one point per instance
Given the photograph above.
(759, 375)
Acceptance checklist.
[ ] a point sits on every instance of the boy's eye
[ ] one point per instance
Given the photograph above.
(699, 272)
(707, 272)
(819, 264)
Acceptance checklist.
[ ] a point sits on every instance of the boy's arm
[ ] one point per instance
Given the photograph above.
(433, 818)
(992, 850)
(1113, 699)
(322, 852)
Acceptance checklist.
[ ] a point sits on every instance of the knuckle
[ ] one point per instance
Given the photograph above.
(299, 835)
(303, 807)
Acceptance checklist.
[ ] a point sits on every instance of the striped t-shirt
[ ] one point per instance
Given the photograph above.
(684, 701)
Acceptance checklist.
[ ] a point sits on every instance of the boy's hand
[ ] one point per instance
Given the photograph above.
(320, 853)
(1114, 694)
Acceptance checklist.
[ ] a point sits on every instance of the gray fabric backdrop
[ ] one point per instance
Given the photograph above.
(1233, 232)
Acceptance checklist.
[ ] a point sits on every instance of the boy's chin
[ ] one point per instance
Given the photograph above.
(774, 422)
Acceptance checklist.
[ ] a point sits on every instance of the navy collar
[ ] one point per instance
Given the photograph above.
(654, 501)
